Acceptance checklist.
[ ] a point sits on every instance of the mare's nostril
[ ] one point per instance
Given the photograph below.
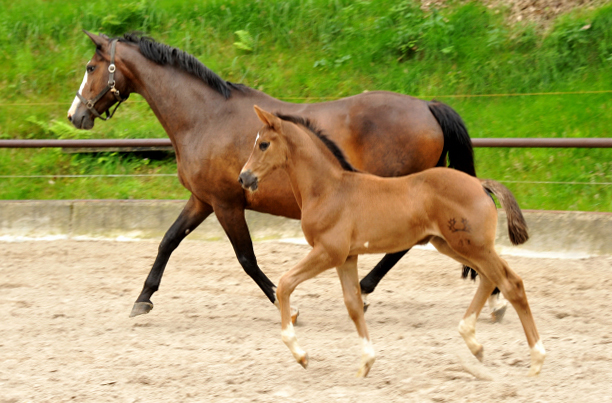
(240, 180)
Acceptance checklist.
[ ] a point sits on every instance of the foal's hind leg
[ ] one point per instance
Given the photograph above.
(352, 299)
(511, 285)
(192, 215)
(467, 326)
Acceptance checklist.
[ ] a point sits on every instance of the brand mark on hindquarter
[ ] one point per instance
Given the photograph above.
(465, 225)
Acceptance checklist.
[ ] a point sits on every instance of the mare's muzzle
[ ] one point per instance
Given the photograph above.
(248, 180)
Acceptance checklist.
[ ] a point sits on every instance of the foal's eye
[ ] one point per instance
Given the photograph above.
(263, 146)
(90, 69)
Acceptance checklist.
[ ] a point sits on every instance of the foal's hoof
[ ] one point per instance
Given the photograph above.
(140, 308)
(479, 354)
(294, 315)
(303, 360)
(497, 315)
(365, 367)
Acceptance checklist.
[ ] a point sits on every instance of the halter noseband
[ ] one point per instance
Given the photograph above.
(90, 104)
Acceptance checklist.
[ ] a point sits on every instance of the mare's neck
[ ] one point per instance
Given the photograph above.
(312, 168)
(177, 98)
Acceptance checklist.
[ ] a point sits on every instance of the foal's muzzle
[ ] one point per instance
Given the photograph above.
(248, 180)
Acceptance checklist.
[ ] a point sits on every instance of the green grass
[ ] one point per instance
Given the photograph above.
(307, 49)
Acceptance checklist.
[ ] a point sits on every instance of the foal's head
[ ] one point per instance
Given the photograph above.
(103, 85)
(269, 152)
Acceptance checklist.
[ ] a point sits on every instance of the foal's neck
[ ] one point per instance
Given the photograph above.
(312, 168)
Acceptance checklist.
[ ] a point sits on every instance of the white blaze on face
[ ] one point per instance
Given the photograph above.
(77, 101)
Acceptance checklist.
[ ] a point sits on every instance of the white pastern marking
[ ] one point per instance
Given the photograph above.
(288, 336)
(368, 348)
(538, 353)
(467, 329)
(367, 358)
(77, 101)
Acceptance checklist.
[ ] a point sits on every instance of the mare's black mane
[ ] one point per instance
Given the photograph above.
(167, 55)
(331, 145)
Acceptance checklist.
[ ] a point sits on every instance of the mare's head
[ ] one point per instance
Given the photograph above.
(103, 85)
(270, 151)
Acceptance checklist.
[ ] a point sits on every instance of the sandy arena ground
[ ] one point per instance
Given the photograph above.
(213, 337)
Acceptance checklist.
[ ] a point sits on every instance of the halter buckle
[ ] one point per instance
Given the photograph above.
(111, 68)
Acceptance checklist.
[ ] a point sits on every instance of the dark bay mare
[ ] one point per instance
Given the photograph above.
(212, 128)
(346, 213)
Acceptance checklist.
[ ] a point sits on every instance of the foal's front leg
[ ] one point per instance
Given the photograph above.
(349, 279)
(314, 263)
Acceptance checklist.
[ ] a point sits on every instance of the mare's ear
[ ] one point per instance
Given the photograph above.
(267, 118)
(98, 40)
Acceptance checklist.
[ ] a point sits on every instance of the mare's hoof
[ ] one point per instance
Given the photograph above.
(303, 361)
(498, 314)
(294, 315)
(140, 308)
(366, 305)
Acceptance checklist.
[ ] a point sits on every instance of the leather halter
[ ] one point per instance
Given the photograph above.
(90, 104)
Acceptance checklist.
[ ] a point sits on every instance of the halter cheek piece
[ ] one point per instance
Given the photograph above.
(90, 104)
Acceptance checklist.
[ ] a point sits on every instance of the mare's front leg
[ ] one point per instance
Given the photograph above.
(317, 261)
(233, 222)
(349, 279)
(371, 280)
(192, 215)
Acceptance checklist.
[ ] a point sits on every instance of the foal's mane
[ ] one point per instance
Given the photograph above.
(167, 55)
(331, 145)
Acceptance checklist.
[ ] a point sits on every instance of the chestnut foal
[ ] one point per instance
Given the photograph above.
(346, 213)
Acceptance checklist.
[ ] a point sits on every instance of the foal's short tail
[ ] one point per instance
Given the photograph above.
(517, 226)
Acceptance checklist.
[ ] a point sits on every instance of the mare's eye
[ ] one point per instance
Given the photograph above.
(90, 69)
(263, 146)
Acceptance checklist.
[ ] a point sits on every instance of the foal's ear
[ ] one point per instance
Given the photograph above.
(267, 118)
(98, 40)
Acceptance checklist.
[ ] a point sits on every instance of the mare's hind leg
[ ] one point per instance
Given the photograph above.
(511, 285)
(192, 215)
(371, 280)
(352, 299)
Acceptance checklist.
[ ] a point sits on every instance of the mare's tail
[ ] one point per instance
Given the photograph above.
(457, 142)
(517, 226)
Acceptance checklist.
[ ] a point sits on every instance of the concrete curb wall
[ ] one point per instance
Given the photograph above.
(573, 234)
